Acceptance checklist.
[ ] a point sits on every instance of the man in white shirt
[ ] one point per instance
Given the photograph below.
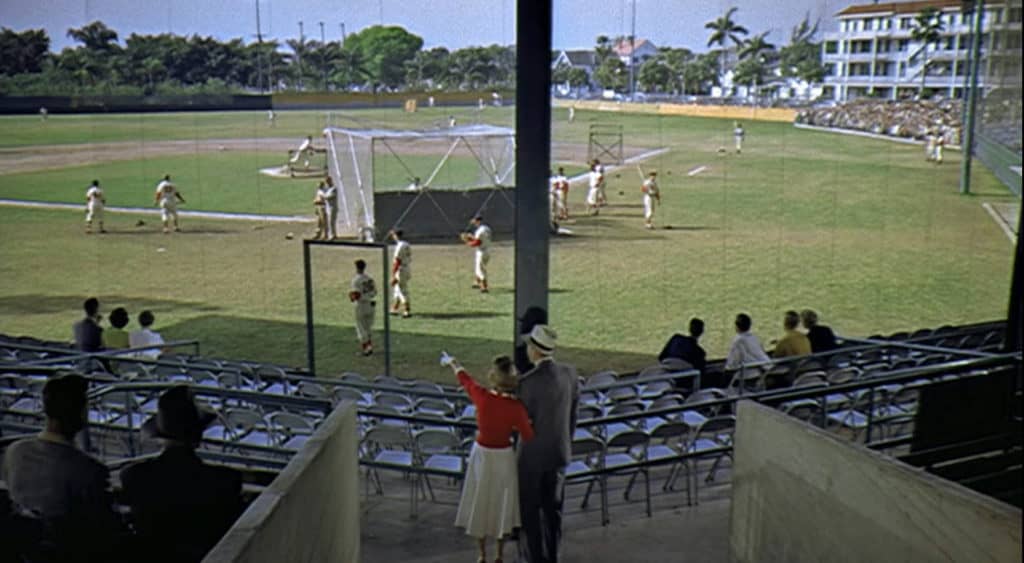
(554, 197)
(363, 293)
(596, 187)
(652, 198)
(94, 202)
(330, 206)
(480, 239)
(167, 197)
(401, 272)
(305, 149)
(738, 133)
(320, 205)
(146, 337)
(562, 185)
(745, 349)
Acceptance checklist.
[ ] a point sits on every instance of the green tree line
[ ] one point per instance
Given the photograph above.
(376, 58)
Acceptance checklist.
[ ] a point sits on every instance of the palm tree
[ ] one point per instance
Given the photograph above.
(927, 29)
(755, 47)
(725, 29)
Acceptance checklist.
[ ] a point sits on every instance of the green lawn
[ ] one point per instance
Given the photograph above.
(863, 231)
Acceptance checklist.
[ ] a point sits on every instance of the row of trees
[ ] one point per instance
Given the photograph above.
(681, 71)
(377, 57)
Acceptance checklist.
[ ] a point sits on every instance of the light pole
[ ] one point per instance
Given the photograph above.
(632, 56)
(323, 51)
(259, 49)
(298, 54)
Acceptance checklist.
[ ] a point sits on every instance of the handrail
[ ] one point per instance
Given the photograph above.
(626, 381)
(119, 354)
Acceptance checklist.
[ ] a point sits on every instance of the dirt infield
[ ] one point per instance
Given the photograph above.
(50, 157)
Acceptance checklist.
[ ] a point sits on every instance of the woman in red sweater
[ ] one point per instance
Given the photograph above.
(490, 494)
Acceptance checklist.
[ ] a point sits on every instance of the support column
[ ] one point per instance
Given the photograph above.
(533, 155)
(971, 100)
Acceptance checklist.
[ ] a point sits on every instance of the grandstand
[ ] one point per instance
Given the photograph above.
(657, 426)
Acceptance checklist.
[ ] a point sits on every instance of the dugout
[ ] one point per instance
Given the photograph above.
(429, 183)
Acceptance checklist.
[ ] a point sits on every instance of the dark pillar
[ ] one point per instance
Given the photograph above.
(533, 154)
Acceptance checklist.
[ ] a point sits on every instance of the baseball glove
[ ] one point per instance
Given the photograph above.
(465, 237)
(353, 296)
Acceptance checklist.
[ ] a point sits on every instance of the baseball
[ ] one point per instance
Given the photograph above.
(289, 236)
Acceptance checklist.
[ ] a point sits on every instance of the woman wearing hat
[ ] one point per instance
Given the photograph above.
(490, 495)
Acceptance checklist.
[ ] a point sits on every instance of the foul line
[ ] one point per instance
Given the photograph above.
(144, 211)
(696, 170)
(631, 160)
(1001, 222)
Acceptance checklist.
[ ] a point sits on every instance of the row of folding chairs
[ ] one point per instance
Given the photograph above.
(630, 451)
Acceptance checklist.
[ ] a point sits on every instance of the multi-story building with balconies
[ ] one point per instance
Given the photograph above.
(875, 54)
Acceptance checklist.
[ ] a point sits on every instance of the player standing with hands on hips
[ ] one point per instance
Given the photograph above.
(480, 239)
(652, 198)
(401, 272)
(362, 294)
(167, 197)
(738, 133)
(94, 202)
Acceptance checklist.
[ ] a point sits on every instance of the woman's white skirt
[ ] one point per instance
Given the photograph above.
(489, 506)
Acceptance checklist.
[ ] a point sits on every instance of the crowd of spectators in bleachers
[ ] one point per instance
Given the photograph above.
(907, 119)
(90, 336)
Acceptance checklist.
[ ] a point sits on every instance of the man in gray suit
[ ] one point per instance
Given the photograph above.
(550, 392)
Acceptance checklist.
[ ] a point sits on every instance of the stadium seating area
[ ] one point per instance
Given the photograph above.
(657, 425)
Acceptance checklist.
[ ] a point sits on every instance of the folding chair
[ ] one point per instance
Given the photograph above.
(246, 427)
(714, 434)
(585, 467)
(668, 440)
(289, 430)
(390, 448)
(622, 452)
(439, 451)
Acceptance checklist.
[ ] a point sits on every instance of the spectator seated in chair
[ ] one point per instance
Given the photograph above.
(180, 505)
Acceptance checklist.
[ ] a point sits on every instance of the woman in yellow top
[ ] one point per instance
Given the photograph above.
(116, 337)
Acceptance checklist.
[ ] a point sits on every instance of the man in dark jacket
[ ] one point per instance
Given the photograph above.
(822, 338)
(687, 348)
(550, 392)
(180, 505)
(88, 333)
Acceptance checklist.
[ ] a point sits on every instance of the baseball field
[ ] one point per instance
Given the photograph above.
(864, 231)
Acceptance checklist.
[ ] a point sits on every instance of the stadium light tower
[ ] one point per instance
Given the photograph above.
(632, 55)
(259, 49)
(323, 51)
(298, 53)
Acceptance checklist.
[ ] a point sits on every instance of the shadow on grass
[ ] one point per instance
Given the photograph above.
(158, 230)
(337, 350)
(72, 304)
(465, 315)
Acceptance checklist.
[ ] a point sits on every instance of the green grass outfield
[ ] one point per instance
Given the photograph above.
(864, 231)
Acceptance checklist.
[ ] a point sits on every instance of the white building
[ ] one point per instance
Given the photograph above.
(874, 54)
(576, 58)
(637, 53)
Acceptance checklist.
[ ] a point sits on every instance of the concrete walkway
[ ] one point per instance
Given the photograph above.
(156, 212)
(675, 532)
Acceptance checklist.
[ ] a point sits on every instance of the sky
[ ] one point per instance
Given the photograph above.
(449, 23)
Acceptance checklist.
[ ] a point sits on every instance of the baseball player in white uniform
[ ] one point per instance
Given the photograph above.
(401, 273)
(480, 239)
(330, 206)
(320, 204)
(596, 187)
(167, 197)
(305, 149)
(562, 185)
(363, 294)
(652, 198)
(554, 197)
(738, 133)
(94, 202)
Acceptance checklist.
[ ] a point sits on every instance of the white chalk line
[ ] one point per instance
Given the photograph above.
(145, 211)
(696, 170)
(1001, 222)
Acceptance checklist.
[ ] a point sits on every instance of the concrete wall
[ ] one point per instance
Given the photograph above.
(743, 113)
(802, 495)
(310, 512)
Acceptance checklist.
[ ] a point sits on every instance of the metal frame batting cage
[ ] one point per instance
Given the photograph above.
(429, 183)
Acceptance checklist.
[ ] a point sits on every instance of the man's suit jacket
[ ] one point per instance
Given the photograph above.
(551, 394)
(181, 506)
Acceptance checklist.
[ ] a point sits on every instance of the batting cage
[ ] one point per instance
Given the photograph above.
(429, 183)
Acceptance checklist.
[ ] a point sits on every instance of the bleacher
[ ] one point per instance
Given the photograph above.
(657, 427)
